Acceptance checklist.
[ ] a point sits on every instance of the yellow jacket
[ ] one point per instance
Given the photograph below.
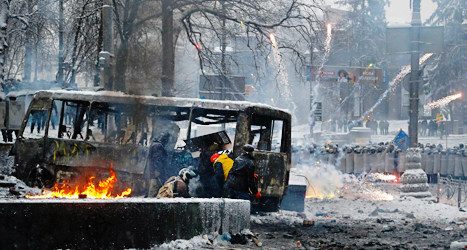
(227, 164)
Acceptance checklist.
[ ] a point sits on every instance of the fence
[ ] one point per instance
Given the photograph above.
(451, 189)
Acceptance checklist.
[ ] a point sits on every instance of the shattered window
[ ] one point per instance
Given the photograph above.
(68, 119)
(266, 133)
(55, 119)
(119, 124)
(35, 128)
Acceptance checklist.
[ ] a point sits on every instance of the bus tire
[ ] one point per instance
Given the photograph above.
(40, 177)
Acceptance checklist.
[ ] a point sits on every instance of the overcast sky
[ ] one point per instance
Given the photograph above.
(400, 12)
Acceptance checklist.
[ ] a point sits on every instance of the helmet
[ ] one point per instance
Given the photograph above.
(248, 148)
(186, 174)
(214, 157)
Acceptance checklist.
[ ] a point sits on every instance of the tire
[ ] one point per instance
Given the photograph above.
(40, 177)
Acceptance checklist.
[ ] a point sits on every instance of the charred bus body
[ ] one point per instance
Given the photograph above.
(68, 135)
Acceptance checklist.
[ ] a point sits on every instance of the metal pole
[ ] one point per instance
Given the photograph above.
(311, 91)
(223, 48)
(459, 194)
(223, 66)
(414, 76)
(438, 192)
(168, 49)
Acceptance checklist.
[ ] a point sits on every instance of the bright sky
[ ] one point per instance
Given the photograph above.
(400, 11)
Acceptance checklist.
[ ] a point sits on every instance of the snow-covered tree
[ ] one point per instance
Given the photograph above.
(446, 71)
(362, 33)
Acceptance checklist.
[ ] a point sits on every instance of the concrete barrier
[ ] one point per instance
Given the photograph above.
(115, 224)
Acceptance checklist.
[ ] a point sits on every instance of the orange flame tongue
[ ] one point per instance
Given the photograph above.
(102, 191)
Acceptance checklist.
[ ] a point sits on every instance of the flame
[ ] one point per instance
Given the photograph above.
(385, 177)
(90, 190)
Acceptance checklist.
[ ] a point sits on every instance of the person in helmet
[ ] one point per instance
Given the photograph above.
(157, 158)
(241, 179)
(177, 186)
(221, 163)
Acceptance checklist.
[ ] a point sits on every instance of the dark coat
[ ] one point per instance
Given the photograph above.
(241, 176)
(158, 162)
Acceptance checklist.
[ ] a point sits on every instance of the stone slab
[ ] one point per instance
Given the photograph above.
(115, 224)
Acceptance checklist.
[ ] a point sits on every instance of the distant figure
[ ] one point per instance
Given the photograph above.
(433, 127)
(424, 127)
(157, 158)
(381, 127)
(342, 76)
(442, 129)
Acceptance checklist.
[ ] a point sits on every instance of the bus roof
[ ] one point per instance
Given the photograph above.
(120, 97)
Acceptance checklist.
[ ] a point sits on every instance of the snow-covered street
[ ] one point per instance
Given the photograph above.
(352, 221)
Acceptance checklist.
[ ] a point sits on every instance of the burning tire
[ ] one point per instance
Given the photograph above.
(40, 177)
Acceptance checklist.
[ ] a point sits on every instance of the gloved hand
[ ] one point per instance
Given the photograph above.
(258, 195)
(256, 176)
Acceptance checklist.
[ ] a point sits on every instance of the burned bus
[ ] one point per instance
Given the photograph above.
(69, 134)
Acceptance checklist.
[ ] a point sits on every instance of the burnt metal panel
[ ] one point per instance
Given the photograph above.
(15, 113)
(85, 154)
(271, 169)
(2, 115)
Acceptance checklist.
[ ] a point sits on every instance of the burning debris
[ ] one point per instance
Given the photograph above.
(103, 190)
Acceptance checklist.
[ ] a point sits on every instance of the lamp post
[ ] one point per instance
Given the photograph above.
(414, 180)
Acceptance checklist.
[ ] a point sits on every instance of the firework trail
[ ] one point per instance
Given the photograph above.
(282, 72)
(442, 101)
(392, 87)
(327, 48)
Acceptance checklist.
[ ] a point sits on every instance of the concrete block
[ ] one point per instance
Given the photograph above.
(115, 224)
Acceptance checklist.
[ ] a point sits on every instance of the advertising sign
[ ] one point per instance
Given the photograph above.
(348, 74)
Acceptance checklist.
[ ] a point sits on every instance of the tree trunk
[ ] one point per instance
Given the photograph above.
(4, 9)
(60, 45)
(168, 51)
(28, 48)
(36, 62)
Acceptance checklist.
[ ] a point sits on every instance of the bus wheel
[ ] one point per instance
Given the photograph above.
(40, 177)
(270, 204)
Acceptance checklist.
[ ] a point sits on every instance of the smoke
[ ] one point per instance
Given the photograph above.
(195, 187)
(323, 179)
